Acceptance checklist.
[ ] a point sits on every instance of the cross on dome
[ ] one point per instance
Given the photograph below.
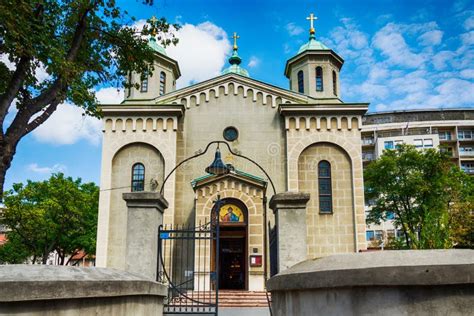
(311, 19)
(235, 37)
(153, 22)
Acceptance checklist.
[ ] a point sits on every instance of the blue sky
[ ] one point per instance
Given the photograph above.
(398, 55)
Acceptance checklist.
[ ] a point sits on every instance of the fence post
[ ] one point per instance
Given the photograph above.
(145, 215)
(290, 222)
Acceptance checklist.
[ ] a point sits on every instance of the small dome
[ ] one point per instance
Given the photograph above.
(236, 69)
(313, 44)
(155, 46)
(234, 62)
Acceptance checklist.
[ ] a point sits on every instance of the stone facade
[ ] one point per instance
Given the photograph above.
(285, 132)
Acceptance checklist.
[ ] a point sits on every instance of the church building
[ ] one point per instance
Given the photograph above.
(301, 139)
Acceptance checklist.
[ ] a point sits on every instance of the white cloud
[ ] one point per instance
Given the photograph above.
(68, 125)
(34, 167)
(201, 52)
(110, 95)
(253, 62)
(467, 73)
(389, 40)
(431, 38)
(7, 62)
(440, 60)
(294, 29)
(469, 23)
(468, 38)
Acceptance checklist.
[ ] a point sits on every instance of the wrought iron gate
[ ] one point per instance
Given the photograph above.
(188, 263)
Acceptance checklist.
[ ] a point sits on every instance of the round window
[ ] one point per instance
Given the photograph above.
(231, 133)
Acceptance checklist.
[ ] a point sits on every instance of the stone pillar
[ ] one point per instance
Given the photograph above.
(290, 220)
(145, 215)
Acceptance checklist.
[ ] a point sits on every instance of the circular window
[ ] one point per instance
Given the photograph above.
(231, 133)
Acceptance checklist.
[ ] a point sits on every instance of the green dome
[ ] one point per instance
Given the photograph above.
(235, 68)
(313, 44)
(155, 46)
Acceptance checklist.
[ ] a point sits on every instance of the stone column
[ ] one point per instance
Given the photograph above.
(290, 220)
(145, 215)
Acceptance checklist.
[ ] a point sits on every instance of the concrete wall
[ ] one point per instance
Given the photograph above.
(67, 291)
(397, 300)
(411, 282)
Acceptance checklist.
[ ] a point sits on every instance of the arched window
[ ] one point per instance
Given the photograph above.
(319, 79)
(300, 81)
(162, 83)
(138, 177)
(334, 82)
(324, 185)
(144, 82)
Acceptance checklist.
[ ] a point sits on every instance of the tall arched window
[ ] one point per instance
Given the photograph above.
(144, 83)
(162, 83)
(334, 82)
(138, 177)
(319, 79)
(324, 185)
(300, 81)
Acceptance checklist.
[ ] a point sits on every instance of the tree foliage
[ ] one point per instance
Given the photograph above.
(79, 44)
(59, 214)
(430, 198)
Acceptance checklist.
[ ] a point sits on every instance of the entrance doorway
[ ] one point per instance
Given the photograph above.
(233, 269)
(232, 272)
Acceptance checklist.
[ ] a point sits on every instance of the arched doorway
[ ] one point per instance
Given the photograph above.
(233, 270)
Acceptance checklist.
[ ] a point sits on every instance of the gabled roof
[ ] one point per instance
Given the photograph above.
(235, 174)
(237, 80)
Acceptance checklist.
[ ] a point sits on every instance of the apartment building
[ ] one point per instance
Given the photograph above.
(450, 130)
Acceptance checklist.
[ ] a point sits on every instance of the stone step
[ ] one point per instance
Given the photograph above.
(231, 298)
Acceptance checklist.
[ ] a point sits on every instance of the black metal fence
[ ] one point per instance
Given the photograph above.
(188, 264)
(273, 250)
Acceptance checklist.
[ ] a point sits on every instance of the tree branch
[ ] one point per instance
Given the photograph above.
(14, 86)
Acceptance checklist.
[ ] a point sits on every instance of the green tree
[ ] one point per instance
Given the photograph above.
(59, 214)
(81, 44)
(429, 197)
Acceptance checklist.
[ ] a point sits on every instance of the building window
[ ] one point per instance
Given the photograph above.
(445, 135)
(144, 83)
(162, 83)
(138, 177)
(388, 145)
(319, 79)
(300, 81)
(464, 135)
(324, 185)
(467, 167)
(370, 235)
(334, 83)
(447, 150)
(379, 234)
(418, 143)
(428, 142)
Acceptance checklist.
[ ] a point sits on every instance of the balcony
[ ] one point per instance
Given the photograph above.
(468, 170)
(368, 156)
(466, 153)
(368, 141)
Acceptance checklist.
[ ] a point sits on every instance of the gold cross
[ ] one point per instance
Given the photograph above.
(235, 37)
(311, 19)
(153, 21)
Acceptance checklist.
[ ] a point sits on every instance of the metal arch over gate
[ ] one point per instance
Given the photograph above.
(188, 264)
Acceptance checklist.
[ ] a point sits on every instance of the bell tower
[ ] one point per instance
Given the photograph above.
(161, 81)
(314, 70)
